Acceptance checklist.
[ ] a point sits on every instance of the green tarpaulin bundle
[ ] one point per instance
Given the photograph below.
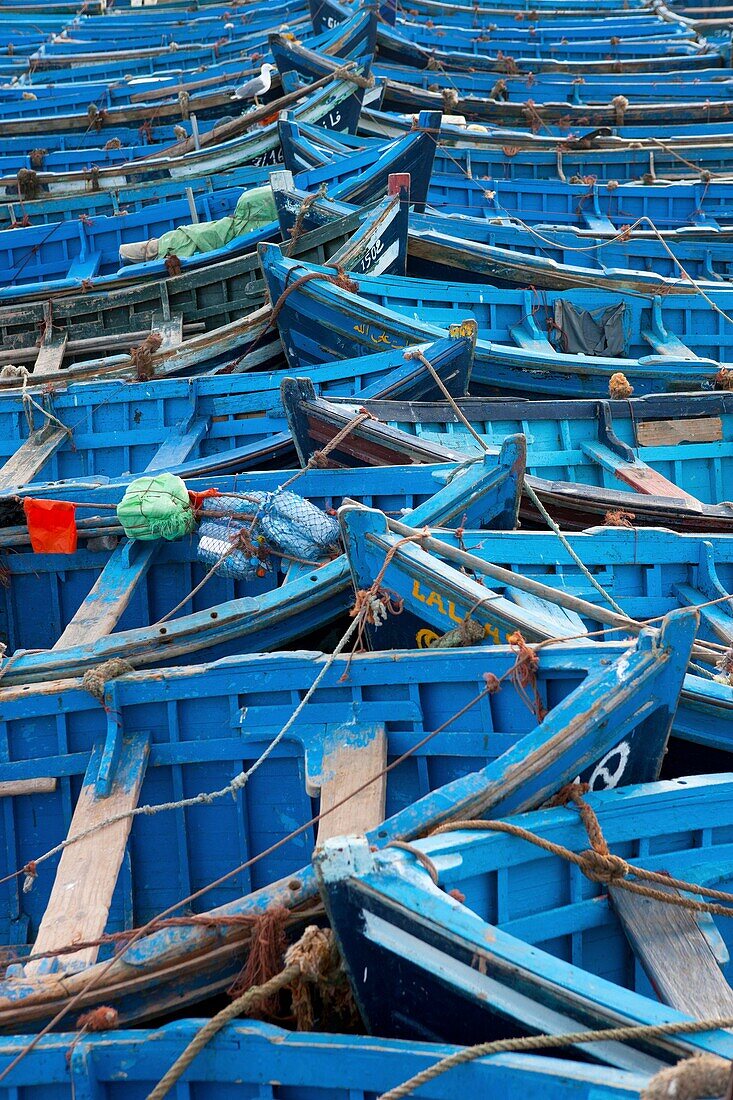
(156, 507)
(255, 209)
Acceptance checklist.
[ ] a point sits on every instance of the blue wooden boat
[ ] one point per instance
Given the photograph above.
(460, 247)
(126, 105)
(692, 116)
(533, 945)
(527, 156)
(248, 1055)
(268, 614)
(43, 262)
(658, 344)
(204, 726)
(94, 433)
(378, 243)
(337, 104)
(413, 44)
(208, 295)
(525, 259)
(669, 453)
(713, 83)
(209, 197)
(456, 188)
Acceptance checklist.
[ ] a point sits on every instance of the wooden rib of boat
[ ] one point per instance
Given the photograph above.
(384, 705)
(501, 956)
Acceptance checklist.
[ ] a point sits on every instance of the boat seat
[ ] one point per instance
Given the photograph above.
(641, 477)
(85, 267)
(598, 222)
(664, 343)
(675, 954)
(527, 335)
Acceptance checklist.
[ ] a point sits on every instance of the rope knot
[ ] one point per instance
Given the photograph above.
(493, 683)
(603, 866)
(103, 1018)
(619, 387)
(95, 679)
(31, 874)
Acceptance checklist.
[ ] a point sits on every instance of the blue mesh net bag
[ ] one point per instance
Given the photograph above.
(296, 526)
(218, 532)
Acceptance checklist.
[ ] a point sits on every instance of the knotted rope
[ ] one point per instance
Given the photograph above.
(311, 962)
(691, 1079)
(599, 864)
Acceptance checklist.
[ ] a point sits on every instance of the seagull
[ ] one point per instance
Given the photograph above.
(258, 85)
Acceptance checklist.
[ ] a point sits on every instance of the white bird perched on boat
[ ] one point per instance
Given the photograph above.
(258, 85)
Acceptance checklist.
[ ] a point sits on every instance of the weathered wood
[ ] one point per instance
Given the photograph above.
(87, 873)
(51, 353)
(359, 754)
(644, 479)
(666, 433)
(100, 612)
(170, 329)
(676, 956)
(31, 457)
(11, 788)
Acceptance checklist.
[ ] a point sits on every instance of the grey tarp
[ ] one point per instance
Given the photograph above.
(591, 332)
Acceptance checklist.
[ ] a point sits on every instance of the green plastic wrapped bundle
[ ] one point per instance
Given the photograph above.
(255, 209)
(156, 508)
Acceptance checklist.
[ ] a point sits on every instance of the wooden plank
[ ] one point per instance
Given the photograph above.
(31, 457)
(676, 956)
(666, 433)
(100, 612)
(359, 753)
(10, 788)
(170, 329)
(179, 445)
(51, 354)
(81, 895)
(638, 475)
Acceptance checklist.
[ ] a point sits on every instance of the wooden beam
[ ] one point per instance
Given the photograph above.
(31, 457)
(86, 877)
(51, 353)
(102, 609)
(359, 753)
(677, 958)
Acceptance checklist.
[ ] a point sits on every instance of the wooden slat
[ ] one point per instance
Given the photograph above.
(666, 433)
(638, 475)
(179, 445)
(675, 955)
(51, 354)
(31, 457)
(359, 753)
(100, 612)
(169, 328)
(10, 788)
(86, 877)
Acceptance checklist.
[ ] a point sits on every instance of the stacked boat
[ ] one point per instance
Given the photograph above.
(366, 549)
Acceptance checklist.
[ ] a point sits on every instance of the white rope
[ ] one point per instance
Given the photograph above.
(205, 797)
